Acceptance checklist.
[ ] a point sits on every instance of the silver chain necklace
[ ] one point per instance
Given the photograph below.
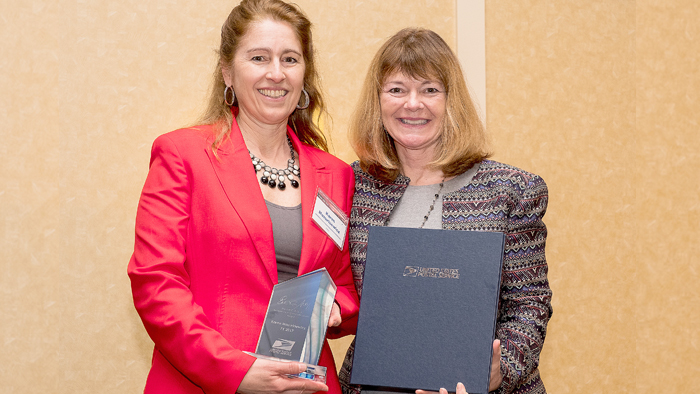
(272, 176)
(432, 205)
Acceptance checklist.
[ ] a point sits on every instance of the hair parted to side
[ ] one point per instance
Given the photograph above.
(421, 54)
(303, 122)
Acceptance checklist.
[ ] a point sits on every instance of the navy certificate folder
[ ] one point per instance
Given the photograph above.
(428, 311)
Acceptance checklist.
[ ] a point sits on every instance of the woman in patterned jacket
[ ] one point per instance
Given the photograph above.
(423, 164)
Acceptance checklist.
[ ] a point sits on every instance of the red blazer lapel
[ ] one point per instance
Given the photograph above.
(233, 168)
(242, 190)
(313, 175)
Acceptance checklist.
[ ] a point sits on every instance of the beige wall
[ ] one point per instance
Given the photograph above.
(598, 97)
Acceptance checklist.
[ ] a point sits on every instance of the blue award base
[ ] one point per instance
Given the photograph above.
(316, 373)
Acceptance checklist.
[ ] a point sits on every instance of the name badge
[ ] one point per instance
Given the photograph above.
(331, 219)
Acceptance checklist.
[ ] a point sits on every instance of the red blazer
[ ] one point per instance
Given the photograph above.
(204, 263)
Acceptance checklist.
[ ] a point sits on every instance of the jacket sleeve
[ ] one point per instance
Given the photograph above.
(160, 279)
(346, 295)
(525, 304)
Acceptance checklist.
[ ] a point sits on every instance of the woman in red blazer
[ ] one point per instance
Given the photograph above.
(206, 257)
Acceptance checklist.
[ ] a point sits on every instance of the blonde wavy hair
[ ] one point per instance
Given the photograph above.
(420, 54)
(303, 122)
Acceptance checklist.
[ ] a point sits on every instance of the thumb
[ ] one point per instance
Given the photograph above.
(335, 318)
(461, 389)
(294, 368)
(282, 367)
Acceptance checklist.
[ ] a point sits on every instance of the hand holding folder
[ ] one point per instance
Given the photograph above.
(496, 376)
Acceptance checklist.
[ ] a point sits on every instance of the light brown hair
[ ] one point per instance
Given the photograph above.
(421, 54)
(303, 122)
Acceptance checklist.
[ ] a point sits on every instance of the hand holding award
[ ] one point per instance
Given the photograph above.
(299, 312)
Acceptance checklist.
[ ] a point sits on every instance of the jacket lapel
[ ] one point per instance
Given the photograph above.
(313, 175)
(233, 168)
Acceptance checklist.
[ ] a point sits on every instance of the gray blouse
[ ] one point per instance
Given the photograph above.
(415, 202)
(287, 234)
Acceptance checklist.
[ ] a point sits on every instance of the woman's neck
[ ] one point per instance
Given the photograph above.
(423, 176)
(414, 165)
(268, 142)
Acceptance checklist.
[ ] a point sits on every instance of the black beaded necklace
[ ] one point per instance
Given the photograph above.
(276, 177)
(432, 204)
(430, 209)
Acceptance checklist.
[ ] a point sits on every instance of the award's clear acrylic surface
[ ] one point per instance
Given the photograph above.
(296, 321)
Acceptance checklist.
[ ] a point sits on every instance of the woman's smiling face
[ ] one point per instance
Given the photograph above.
(413, 111)
(267, 74)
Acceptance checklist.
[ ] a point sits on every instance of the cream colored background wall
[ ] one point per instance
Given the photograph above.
(598, 97)
(86, 87)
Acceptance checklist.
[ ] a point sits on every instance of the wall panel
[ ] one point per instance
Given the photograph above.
(667, 211)
(561, 103)
(599, 98)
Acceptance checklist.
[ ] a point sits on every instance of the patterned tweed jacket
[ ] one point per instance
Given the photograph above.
(498, 198)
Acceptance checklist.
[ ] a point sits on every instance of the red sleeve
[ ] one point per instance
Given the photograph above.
(346, 295)
(160, 280)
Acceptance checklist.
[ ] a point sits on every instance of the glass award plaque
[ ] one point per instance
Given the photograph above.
(296, 321)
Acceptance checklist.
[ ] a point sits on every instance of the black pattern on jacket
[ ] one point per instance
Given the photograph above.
(498, 198)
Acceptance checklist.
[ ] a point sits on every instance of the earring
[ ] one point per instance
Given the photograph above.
(228, 89)
(308, 100)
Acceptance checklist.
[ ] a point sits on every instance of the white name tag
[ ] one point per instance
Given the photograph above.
(331, 219)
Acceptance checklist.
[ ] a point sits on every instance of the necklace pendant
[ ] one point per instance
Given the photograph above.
(276, 177)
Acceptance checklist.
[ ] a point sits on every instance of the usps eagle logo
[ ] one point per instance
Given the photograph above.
(283, 344)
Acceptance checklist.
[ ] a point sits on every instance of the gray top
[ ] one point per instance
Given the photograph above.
(415, 202)
(287, 234)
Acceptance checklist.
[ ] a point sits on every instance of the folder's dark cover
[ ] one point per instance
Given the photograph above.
(428, 311)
